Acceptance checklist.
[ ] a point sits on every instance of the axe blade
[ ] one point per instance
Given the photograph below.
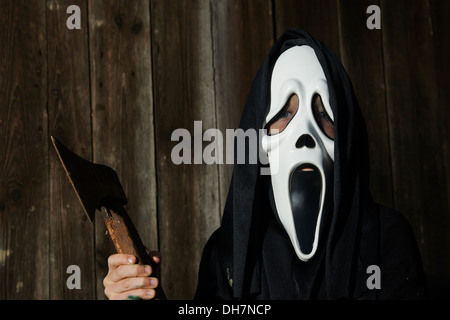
(96, 185)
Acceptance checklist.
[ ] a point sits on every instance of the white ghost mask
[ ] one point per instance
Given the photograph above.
(300, 147)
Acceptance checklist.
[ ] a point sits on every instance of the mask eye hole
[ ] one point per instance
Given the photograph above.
(282, 119)
(321, 116)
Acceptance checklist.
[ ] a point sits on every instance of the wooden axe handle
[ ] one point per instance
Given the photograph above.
(126, 240)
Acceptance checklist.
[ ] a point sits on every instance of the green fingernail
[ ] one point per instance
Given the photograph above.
(134, 298)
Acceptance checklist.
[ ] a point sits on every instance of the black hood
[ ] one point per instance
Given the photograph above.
(247, 204)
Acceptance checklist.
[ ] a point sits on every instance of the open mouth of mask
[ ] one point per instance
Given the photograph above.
(305, 196)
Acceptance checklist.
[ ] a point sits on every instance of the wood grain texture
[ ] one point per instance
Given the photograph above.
(242, 35)
(115, 91)
(441, 27)
(319, 18)
(416, 129)
(440, 24)
(362, 56)
(24, 192)
(122, 111)
(188, 194)
(71, 233)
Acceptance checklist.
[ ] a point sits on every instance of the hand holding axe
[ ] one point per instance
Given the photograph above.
(98, 188)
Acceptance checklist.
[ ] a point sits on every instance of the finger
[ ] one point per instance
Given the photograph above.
(132, 284)
(137, 294)
(129, 271)
(118, 259)
(155, 256)
(129, 286)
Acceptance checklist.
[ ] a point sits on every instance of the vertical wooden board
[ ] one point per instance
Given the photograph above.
(24, 208)
(319, 18)
(188, 200)
(416, 128)
(440, 11)
(71, 233)
(362, 56)
(441, 27)
(122, 101)
(242, 38)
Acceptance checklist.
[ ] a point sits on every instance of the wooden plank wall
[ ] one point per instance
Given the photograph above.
(115, 91)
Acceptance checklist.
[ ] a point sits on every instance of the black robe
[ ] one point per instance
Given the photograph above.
(250, 255)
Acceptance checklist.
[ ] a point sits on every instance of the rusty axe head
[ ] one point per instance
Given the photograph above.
(96, 185)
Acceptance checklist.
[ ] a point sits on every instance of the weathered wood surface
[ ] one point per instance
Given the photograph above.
(239, 49)
(24, 176)
(115, 91)
(71, 234)
(188, 200)
(417, 129)
(361, 52)
(122, 112)
(441, 26)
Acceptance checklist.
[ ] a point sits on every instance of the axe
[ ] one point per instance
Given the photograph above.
(98, 188)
